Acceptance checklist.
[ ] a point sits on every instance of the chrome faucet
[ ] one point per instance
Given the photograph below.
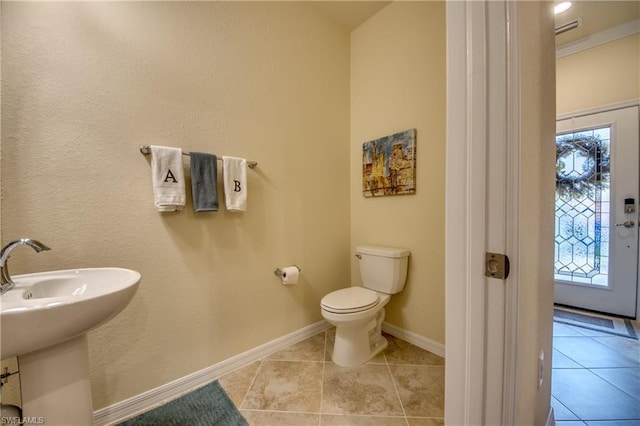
(6, 283)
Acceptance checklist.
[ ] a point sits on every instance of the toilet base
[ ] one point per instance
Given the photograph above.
(379, 346)
(356, 345)
(349, 353)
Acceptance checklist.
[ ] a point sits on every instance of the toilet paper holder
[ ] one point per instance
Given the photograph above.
(279, 271)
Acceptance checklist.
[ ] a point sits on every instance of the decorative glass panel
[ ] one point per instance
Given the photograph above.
(582, 206)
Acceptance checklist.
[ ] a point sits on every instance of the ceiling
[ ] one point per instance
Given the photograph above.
(596, 16)
(349, 14)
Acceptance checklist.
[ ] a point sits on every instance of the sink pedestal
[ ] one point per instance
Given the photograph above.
(54, 383)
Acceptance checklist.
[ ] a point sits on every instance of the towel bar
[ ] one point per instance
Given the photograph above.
(146, 150)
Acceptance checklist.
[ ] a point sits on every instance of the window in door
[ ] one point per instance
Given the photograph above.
(582, 206)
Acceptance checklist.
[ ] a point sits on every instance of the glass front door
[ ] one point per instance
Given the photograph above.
(596, 241)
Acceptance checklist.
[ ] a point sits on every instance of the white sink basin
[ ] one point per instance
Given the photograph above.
(50, 307)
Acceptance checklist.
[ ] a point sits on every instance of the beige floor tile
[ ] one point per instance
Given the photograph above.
(367, 389)
(311, 349)
(286, 386)
(421, 389)
(331, 338)
(351, 420)
(421, 421)
(273, 418)
(237, 383)
(401, 352)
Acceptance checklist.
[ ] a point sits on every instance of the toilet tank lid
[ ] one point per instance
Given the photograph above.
(382, 251)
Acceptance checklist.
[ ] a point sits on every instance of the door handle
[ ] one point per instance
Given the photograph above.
(627, 224)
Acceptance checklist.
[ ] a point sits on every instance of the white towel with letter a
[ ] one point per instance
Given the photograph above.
(234, 171)
(167, 174)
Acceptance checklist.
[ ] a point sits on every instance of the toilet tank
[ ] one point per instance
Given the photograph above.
(383, 269)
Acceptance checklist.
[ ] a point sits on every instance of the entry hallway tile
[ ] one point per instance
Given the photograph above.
(560, 412)
(562, 361)
(367, 389)
(626, 348)
(626, 379)
(565, 330)
(286, 386)
(421, 389)
(583, 392)
(591, 353)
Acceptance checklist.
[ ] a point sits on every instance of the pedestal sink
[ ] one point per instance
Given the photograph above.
(44, 321)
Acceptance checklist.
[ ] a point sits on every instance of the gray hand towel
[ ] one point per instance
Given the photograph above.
(204, 175)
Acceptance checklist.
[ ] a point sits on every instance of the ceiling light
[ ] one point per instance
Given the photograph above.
(561, 7)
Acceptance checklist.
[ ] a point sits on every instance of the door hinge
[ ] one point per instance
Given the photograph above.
(496, 266)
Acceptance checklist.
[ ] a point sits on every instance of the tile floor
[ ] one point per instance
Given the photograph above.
(595, 378)
(300, 385)
(595, 382)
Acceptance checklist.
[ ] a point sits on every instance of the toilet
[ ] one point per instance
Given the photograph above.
(358, 312)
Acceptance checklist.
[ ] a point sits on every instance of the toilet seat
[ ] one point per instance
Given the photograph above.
(350, 300)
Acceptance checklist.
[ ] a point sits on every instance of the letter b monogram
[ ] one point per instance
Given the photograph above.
(237, 187)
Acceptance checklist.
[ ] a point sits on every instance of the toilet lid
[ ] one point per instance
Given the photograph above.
(350, 300)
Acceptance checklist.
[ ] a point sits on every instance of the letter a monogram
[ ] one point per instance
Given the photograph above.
(237, 187)
(170, 176)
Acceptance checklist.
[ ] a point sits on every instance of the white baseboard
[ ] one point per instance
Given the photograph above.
(140, 403)
(551, 420)
(415, 339)
(146, 401)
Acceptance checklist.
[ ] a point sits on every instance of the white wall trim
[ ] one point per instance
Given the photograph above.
(415, 339)
(551, 420)
(602, 37)
(155, 397)
(483, 133)
(145, 401)
(465, 201)
(599, 109)
(512, 240)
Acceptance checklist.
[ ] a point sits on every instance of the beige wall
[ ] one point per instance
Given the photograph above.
(398, 83)
(535, 206)
(85, 84)
(598, 76)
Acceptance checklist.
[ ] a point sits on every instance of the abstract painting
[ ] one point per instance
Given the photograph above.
(389, 165)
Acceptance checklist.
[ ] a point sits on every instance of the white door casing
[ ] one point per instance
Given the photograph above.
(481, 211)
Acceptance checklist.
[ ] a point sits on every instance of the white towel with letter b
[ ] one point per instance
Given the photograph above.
(234, 172)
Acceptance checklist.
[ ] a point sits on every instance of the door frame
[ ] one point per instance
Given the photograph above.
(598, 110)
(483, 136)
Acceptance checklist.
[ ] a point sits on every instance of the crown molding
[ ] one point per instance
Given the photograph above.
(602, 37)
(599, 109)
